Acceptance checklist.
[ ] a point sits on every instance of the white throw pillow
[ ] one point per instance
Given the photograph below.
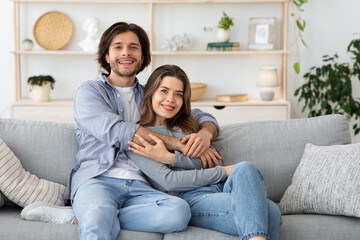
(327, 181)
(22, 187)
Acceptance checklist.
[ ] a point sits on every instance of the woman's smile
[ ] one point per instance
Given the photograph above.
(167, 100)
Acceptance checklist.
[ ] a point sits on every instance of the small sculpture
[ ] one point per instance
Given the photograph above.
(91, 42)
(176, 42)
(27, 44)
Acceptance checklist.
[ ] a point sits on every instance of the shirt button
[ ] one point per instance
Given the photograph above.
(118, 95)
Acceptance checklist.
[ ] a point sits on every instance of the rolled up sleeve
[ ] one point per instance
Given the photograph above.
(202, 117)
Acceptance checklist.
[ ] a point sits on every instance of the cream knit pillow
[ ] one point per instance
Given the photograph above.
(22, 187)
(327, 181)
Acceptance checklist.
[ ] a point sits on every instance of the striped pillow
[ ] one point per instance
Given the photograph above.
(22, 187)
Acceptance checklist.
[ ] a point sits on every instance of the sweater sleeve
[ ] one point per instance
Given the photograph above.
(169, 179)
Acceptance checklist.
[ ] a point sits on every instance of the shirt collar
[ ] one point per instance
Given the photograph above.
(104, 78)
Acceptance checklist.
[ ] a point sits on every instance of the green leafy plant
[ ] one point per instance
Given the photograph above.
(300, 25)
(328, 88)
(225, 23)
(40, 80)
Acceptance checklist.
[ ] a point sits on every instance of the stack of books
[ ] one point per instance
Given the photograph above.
(223, 46)
(232, 98)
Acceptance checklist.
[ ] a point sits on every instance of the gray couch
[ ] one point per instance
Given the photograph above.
(275, 147)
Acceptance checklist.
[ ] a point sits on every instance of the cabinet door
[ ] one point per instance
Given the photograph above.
(44, 113)
(237, 114)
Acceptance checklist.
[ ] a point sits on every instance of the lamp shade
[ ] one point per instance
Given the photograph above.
(267, 77)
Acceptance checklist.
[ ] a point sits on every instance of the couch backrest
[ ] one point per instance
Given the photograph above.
(276, 147)
(44, 148)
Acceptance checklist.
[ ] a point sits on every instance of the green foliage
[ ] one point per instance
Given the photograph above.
(40, 80)
(300, 25)
(225, 23)
(328, 89)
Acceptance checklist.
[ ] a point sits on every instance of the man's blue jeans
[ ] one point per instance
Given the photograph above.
(103, 205)
(238, 207)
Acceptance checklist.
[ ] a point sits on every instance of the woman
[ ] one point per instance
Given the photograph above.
(236, 206)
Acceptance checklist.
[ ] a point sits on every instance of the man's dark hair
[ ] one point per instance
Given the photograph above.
(112, 32)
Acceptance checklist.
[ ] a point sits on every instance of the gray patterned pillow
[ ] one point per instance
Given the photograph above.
(22, 187)
(327, 181)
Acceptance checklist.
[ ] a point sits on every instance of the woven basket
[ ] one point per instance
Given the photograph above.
(197, 90)
(53, 30)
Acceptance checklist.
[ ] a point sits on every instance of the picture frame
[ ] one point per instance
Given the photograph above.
(261, 33)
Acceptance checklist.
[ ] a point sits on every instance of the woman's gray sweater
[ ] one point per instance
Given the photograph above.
(183, 175)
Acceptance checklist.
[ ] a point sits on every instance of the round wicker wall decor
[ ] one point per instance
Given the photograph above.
(53, 30)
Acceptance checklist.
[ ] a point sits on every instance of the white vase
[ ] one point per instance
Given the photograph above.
(223, 35)
(41, 93)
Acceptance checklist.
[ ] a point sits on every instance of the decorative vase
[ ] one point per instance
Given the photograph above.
(41, 93)
(27, 44)
(223, 35)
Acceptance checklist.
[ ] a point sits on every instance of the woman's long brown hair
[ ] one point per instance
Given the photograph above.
(183, 119)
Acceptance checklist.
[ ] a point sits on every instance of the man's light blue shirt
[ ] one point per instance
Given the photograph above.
(101, 131)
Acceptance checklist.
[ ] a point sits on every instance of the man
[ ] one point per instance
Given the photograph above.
(107, 190)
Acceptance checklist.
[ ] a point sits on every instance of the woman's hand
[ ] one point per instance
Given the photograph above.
(196, 143)
(210, 156)
(157, 152)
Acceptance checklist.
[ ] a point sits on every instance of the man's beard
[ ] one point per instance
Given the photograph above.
(113, 66)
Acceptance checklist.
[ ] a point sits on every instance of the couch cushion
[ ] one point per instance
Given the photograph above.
(13, 227)
(276, 147)
(22, 187)
(196, 233)
(46, 149)
(315, 227)
(326, 181)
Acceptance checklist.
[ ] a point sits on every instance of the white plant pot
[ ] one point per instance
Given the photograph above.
(41, 93)
(223, 35)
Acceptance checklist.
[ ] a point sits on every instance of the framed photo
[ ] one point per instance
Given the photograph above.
(261, 34)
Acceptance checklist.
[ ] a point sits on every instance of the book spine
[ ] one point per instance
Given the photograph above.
(224, 44)
(223, 49)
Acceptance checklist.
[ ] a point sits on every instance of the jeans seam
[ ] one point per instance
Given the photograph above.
(208, 214)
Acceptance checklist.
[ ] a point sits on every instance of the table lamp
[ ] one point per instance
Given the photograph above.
(267, 80)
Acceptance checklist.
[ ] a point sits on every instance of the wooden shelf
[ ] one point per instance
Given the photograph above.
(227, 112)
(250, 102)
(217, 53)
(152, 1)
(156, 53)
(52, 52)
(54, 102)
(201, 102)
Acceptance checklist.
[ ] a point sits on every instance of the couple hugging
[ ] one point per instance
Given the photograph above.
(146, 161)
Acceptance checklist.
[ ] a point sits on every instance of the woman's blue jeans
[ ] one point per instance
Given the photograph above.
(238, 207)
(103, 205)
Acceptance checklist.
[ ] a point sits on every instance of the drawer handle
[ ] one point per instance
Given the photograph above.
(219, 107)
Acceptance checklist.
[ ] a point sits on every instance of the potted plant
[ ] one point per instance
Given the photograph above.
(223, 32)
(328, 89)
(41, 86)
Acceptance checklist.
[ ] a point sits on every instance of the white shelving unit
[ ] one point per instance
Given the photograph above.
(61, 109)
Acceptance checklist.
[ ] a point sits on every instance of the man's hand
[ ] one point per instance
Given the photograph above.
(196, 143)
(210, 156)
(157, 152)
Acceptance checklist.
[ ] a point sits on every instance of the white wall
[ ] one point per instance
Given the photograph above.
(330, 28)
(7, 80)
(330, 25)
